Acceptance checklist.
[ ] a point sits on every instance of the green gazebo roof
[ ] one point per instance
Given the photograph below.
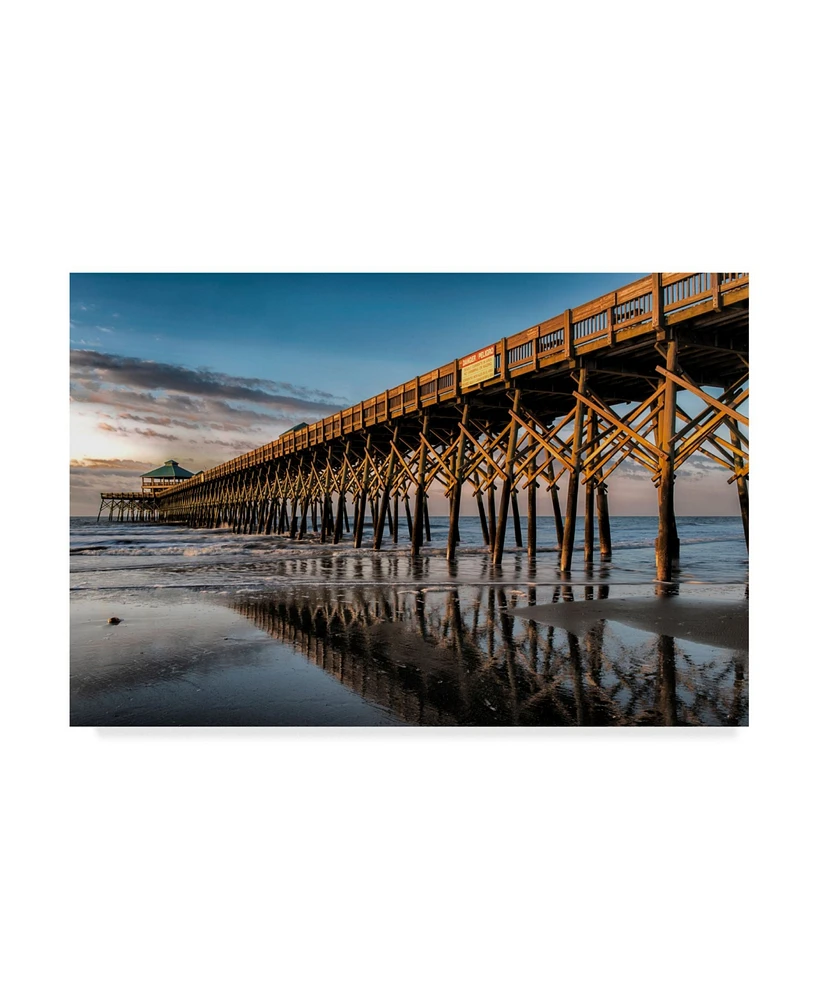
(170, 470)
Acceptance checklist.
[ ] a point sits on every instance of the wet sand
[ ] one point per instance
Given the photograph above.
(404, 648)
(724, 624)
(183, 662)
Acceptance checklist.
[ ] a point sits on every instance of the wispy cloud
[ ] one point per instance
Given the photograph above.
(108, 464)
(138, 373)
(144, 432)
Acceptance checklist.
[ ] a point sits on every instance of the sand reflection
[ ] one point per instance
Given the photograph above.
(473, 655)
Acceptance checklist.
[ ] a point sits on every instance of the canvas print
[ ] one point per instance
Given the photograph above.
(409, 499)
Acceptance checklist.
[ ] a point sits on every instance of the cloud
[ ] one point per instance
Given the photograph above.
(145, 432)
(110, 464)
(136, 373)
(159, 421)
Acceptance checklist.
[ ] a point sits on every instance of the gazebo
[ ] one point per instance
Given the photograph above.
(166, 475)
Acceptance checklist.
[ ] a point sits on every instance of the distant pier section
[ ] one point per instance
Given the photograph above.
(144, 505)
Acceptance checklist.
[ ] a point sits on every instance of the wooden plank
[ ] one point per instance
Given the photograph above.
(710, 400)
(614, 419)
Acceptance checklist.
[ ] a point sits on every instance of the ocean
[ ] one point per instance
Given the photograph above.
(221, 629)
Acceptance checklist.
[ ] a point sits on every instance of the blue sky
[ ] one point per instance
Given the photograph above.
(201, 367)
(349, 334)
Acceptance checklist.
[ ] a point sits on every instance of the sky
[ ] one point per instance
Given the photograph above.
(203, 367)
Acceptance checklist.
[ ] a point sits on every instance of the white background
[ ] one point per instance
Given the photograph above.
(431, 136)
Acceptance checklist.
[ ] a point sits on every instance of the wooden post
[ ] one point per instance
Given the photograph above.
(588, 546)
(566, 555)
(515, 511)
(481, 510)
(589, 501)
(341, 513)
(426, 519)
(492, 518)
(555, 502)
(325, 508)
(384, 508)
(604, 522)
(420, 493)
(305, 509)
(666, 430)
(741, 483)
(454, 514)
(532, 519)
(395, 521)
(508, 483)
(408, 515)
(294, 518)
(359, 530)
(356, 514)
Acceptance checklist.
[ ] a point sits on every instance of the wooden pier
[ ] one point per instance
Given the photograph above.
(128, 506)
(533, 412)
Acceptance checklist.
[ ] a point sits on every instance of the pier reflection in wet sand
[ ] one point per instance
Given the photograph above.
(442, 654)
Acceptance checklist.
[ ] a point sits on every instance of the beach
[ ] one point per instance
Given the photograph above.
(219, 629)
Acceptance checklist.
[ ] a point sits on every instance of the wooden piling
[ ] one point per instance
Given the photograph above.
(356, 516)
(553, 489)
(515, 511)
(741, 483)
(532, 519)
(492, 518)
(481, 510)
(384, 508)
(457, 487)
(569, 529)
(665, 541)
(340, 516)
(305, 509)
(588, 547)
(294, 518)
(508, 485)
(361, 507)
(325, 508)
(604, 522)
(420, 492)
